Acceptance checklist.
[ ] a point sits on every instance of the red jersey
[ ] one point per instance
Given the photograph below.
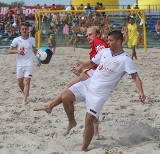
(97, 45)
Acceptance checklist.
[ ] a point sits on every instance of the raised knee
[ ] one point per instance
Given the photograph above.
(68, 96)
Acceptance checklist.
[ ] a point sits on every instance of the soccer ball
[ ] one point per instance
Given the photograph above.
(44, 55)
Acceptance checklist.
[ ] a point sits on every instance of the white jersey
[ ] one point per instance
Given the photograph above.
(109, 71)
(27, 44)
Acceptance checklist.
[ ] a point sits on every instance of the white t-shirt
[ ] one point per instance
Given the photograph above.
(68, 8)
(109, 71)
(27, 44)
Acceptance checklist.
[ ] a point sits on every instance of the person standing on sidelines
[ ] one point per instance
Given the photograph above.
(112, 64)
(24, 46)
(133, 33)
(97, 44)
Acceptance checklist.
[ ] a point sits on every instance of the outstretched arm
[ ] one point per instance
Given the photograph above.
(138, 83)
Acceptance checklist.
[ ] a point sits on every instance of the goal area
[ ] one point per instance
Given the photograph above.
(117, 18)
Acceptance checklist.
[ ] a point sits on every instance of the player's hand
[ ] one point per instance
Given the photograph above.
(38, 64)
(21, 51)
(142, 97)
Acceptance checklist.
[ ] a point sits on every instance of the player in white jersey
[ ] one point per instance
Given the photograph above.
(113, 64)
(24, 47)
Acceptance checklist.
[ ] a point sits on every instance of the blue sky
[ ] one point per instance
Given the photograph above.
(64, 2)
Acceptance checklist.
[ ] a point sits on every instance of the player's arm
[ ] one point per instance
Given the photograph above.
(13, 50)
(81, 66)
(138, 83)
(35, 50)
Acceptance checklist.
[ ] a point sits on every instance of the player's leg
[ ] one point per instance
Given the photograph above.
(96, 129)
(20, 78)
(26, 89)
(28, 71)
(20, 83)
(68, 98)
(88, 131)
(58, 100)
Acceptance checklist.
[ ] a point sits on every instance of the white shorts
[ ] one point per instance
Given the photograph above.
(94, 103)
(24, 71)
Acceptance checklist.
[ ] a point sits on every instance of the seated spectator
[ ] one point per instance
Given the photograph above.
(128, 13)
(59, 19)
(81, 7)
(96, 21)
(97, 6)
(107, 22)
(18, 9)
(53, 7)
(157, 28)
(32, 30)
(6, 19)
(10, 13)
(53, 16)
(18, 15)
(9, 36)
(104, 33)
(69, 7)
(136, 6)
(101, 7)
(45, 15)
(88, 7)
(38, 7)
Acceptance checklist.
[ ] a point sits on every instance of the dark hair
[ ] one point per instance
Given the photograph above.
(117, 35)
(24, 24)
(131, 17)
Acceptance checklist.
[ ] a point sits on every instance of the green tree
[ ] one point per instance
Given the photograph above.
(3, 4)
(22, 3)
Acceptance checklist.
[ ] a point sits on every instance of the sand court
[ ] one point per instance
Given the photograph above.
(126, 126)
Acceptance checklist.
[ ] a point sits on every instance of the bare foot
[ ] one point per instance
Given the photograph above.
(24, 102)
(45, 108)
(96, 136)
(84, 149)
(70, 126)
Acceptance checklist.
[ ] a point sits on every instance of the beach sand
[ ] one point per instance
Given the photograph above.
(126, 126)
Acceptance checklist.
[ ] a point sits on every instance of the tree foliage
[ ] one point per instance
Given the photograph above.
(22, 3)
(3, 4)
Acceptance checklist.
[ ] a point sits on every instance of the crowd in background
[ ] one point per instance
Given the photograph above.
(72, 24)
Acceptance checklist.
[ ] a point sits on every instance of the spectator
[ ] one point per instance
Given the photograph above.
(124, 32)
(136, 6)
(18, 15)
(52, 39)
(101, 7)
(32, 30)
(97, 6)
(45, 15)
(157, 28)
(10, 13)
(73, 38)
(69, 7)
(88, 7)
(132, 34)
(81, 7)
(18, 9)
(128, 13)
(66, 31)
